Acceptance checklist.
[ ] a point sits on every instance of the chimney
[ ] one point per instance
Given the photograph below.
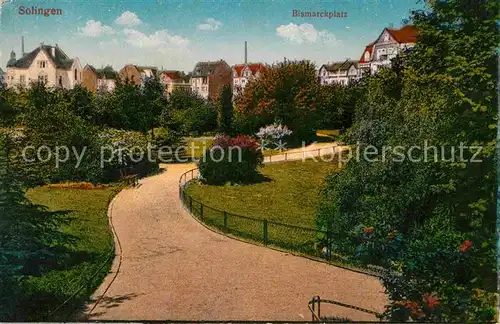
(53, 51)
(245, 52)
(22, 46)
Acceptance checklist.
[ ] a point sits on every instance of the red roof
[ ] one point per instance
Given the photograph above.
(407, 34)
(254, 67)
(173, 75)
(369, 49)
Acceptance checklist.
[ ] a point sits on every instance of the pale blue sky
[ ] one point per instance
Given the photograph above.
(177, 34)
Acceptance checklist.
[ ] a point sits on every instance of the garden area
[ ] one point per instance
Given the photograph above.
(64, 275)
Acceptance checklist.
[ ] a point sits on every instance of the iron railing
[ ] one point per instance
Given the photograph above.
(315, 309)
(309, 241)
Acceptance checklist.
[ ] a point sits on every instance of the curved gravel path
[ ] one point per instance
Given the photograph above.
(170, 267)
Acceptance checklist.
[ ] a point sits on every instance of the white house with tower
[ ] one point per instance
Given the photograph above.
(46, 64)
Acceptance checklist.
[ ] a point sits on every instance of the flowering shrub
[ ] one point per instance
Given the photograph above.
(232, 160)
(273, 134)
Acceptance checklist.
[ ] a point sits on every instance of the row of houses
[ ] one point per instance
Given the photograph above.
(376, 55)
(50, 65)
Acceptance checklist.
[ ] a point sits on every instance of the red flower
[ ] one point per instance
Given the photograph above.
(465, 246)
(430, 300)
(368, 230)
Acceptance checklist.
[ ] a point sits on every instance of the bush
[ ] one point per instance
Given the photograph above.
(233, 160)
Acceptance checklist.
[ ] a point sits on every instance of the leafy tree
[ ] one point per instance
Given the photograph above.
(287, 92)
(153, 94)
(431, 223)
(225, 110)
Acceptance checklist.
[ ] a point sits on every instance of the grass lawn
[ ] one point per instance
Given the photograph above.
(290, 196)
(88, 223)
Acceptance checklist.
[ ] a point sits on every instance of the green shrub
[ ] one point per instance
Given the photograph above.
(233, 160)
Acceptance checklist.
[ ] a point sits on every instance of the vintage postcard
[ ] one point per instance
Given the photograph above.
(249, 161)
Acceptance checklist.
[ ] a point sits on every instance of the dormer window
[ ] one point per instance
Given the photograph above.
(235, 74)
(367, 56)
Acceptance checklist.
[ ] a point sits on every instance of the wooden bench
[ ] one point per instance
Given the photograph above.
(129, 178)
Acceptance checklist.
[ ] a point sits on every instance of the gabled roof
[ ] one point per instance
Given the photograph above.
(254, 67)
(340, 65)
(406, 34)
(60, 59)
(206, 68)
(102, 73)
(173, 74)
(369, 49)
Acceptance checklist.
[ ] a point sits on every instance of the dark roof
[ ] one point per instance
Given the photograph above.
(107, 72)
(341, 65)
(60, 59)
(205, 68)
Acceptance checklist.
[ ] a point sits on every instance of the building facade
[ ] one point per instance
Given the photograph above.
(99, 79)
(136, 74)
(387, 46)
(244, 73)
(46, 64)
(342, 72)
(209, 77)
(173, 80)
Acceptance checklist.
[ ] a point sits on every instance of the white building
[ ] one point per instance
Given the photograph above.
(386, 47)
(243, 73)
(46, 64)
(342, 72)
(209, 77)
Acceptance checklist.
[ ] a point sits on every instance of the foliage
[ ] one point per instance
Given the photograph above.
(29, 235)
(336, 105)
(232, 160)
(429, 220)
(188, 113)
(225, 110)
(287, 92)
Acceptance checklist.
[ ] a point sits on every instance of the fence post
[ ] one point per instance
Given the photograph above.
(265, 231)
(286, 156)
(201, 209)
(319, 310)
(313, 308)
(270, 158)
(225, 220)
(190, 204)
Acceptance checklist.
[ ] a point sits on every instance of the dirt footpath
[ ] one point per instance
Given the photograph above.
(171, 267)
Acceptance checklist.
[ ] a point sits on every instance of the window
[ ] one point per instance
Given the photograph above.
(367, 56)
(235, 74)
(43, 78)
(22, 80)
(42, 64)
(76, 75)
(60, 81)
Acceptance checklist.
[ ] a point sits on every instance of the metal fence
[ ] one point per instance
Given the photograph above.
(315, 309)
(304, 240)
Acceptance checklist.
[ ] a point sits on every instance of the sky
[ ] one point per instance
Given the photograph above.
(175, 34)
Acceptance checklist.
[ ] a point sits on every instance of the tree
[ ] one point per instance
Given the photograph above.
(153, 93)
(29, 236)
(430, 223)
(288, 92)
(225, 110)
